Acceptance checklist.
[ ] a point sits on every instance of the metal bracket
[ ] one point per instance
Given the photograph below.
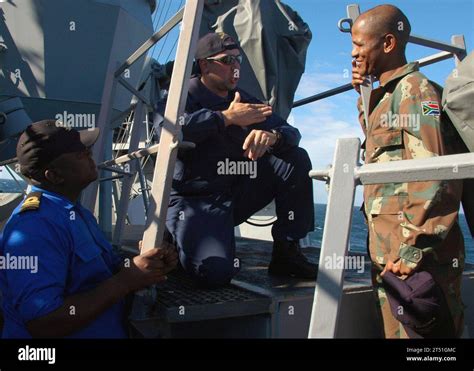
(115, 170)
(341, 27)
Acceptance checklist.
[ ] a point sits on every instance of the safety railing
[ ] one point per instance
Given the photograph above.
(156, 202)
(346, 173)
(344, 176)
(456, 50)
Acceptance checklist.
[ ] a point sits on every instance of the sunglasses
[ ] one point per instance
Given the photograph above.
(227, 59)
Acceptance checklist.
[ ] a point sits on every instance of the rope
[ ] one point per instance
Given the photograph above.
(167, 35)
(159, 26)
(15, 179)
(177, 37)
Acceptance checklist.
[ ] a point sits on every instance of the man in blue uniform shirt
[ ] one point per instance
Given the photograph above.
(245, 157)
(79, 285)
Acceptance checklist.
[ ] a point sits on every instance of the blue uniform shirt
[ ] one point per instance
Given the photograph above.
(196, 170)
(72, 256)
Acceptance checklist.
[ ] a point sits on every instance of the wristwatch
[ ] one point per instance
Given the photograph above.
(278, 137)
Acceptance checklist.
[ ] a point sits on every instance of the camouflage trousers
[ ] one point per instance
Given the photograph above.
(447, 277)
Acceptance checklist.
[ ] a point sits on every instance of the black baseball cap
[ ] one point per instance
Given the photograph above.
(44, 141)
(419, 304)
(213, 43)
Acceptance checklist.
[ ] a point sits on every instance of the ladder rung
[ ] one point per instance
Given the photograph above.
(141, 153)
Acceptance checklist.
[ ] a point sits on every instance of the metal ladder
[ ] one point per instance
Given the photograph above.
(190, 18)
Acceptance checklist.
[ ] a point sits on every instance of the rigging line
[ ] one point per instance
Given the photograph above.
(155, 25)
(167, 35)
(162, 46)
(15, 179)
(153, 22)
(163, 22)
(176, 40)
(174, 46)
(166, 14)
(154, 16)
(155, 28)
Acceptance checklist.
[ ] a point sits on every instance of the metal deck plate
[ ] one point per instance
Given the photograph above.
(255, 257)
(253, 291)
(179, 299)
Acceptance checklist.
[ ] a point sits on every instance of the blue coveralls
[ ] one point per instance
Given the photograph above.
(73, 256)
(205, 206)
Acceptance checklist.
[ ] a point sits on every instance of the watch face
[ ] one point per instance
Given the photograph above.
(278, 134)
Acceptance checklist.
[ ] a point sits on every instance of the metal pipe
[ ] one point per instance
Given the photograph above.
(131, 89)
(438, 57)
(167, 27)
(320, 174)
(460, 166)
(142, 153)
(115, 170)
(435, 44)
(143, 186)
(325, 94)
(441, 56)
(110, 178)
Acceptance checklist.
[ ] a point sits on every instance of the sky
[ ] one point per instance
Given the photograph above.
(322, 122)
(329, 61)
(328, 65)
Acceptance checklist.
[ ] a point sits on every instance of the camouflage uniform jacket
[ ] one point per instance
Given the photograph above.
(410, 220)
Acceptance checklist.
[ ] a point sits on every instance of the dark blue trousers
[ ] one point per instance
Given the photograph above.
(203, 225)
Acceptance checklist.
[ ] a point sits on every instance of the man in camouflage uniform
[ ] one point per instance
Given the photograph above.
(412, 226)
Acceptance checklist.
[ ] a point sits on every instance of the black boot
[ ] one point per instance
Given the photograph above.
(289, 261)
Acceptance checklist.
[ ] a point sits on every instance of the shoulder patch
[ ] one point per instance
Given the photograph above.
(430, 108)
(32, 202)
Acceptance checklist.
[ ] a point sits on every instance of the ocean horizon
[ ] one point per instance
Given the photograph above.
(358, 230)
(358, 238)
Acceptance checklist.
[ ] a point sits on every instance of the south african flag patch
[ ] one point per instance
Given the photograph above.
(430, 108)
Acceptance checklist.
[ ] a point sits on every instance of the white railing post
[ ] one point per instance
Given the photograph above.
(344, 176)
(127, 183)
(337, 225)
(169, 141)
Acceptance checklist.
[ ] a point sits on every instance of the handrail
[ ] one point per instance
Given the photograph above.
(457, 50)
(113, 76)
(460, 166)
(141, 153)
(344, 176)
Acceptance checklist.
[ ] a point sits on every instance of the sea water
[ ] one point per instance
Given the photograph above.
(359, 232)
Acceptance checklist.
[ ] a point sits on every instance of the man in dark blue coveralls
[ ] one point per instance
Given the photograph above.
(70, 283)
(245, 157)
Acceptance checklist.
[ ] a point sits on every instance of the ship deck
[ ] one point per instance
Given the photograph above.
(256, 305)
